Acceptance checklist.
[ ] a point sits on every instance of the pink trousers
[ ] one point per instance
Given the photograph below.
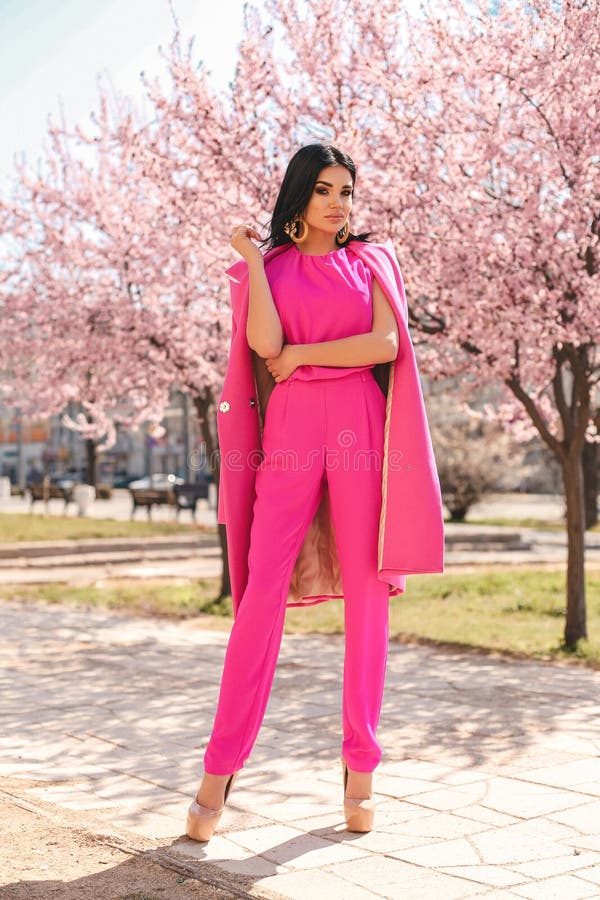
(313, 430)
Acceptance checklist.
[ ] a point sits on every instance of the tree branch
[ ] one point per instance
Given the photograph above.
(564, 410)
(514, 384)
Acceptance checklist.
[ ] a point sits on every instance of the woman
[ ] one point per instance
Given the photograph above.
(328, 483)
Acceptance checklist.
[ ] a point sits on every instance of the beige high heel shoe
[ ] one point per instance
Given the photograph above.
(201, 821)
(359, 814)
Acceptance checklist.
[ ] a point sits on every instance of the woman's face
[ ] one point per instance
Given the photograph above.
(329, 207)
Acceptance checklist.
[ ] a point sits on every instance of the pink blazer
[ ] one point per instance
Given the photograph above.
(411, 529)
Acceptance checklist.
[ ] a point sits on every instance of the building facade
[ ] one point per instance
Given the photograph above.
(31, 449)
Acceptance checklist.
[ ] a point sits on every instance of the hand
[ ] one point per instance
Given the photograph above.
(241, 241)
(282, 366)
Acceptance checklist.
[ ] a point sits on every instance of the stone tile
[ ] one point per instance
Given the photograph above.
(573, 744)
(13, 769)
(451, 798)
(285, 717)
(147, 823)
(174, 809)
(236, 818)
(254, 866)
(416, 768)
(567, 774)
(315, 884)
(584, 842)
(219, 849)
(438, 826)
(445, 853)
(496, 876)
(395, 812)
(72, 798)
(167, 775)
(563, 887)
(289, 810)
(497, 895)
(525, 799)
(401, 787)
(382, 842)
(506, 848)
(323, 824)
(294, 849)
(592, 874)
(588, 787)
(540, 828)
(133, 790)
(465, 776)
(463, 749)
(568, 862)
(585, 817)
(397, 880)
(487, 816)
(382, 839)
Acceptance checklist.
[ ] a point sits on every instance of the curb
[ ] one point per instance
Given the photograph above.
(119, 549)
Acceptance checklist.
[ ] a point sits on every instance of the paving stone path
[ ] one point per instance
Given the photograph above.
(489, 786)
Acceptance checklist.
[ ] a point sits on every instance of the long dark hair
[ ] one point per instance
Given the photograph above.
(298, 185)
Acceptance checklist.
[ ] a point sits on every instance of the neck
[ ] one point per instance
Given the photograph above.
(318, 243)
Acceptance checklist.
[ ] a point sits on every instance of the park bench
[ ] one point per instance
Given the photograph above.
(180, 497)
(149, 497)
(187, 496)
(45, 491)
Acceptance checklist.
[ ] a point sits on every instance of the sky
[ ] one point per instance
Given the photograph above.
(53, 51)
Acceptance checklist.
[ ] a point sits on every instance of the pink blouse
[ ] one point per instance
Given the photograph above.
(321, 298)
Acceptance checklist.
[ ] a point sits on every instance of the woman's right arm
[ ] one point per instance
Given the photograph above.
(263, 330)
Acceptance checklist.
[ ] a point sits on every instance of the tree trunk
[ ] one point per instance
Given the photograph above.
(226, 578)
(590, 483)
(571, 388)
(575, 626)
(91, 462)
(203, 403)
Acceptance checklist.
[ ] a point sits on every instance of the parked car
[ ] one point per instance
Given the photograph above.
(160, 481)
(67, 479)
(122, 480)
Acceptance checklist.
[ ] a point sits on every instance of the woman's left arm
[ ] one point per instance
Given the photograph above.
(375, 346)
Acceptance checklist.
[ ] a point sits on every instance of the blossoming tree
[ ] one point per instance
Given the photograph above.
(474, 130)
(477, 131)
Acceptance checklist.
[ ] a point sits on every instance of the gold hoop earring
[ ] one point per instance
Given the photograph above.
(343, 234)
(297, 230)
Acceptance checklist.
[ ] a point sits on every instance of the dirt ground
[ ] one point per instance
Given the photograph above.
(46, 854)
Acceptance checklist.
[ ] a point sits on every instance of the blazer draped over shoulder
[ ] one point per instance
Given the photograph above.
(411, 529)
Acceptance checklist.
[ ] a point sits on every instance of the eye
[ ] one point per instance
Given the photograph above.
(321, 190)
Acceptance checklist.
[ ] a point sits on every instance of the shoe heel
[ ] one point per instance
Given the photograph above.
(359, 814)
(201, 821)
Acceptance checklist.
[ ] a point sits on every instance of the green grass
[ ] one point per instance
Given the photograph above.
(153, 598)
(518, 612)
(34, 527)
(542, 524)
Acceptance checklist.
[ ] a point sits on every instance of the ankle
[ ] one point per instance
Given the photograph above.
(359, 785)
(212, 790)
